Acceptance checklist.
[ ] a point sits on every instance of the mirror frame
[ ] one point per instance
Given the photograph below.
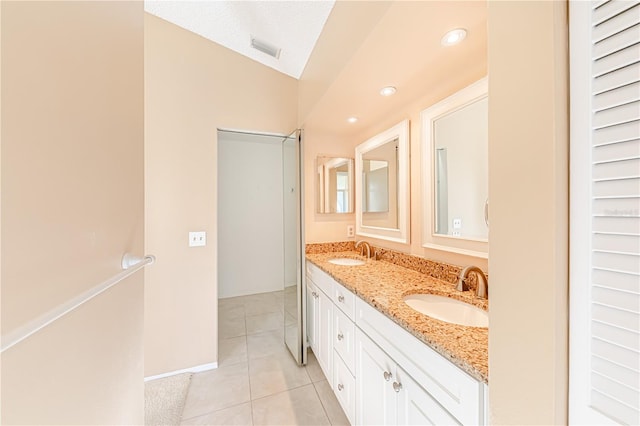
(401, 234)
(461, 245)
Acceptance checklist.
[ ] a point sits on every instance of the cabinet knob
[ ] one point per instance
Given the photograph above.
(340, 387)
(387, 376)
(397, 386)
(340, 336)
(340, 298)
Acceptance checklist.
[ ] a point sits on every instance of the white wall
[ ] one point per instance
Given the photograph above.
(250, 214)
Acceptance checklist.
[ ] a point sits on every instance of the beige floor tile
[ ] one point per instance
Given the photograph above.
(330, 403)
(264, 322)
(232, 416)
(266, 344)
(300, 406)
(274, 374)
(231, 312)
(263, 305)
(228, 302)
(232, 350)
(217, 389)
(313, 368)
(231, 327)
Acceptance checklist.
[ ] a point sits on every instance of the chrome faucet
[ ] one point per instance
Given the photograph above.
(482, 288)
(365, 245)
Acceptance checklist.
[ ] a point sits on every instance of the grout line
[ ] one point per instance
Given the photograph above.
(283, 391)
(326, 413)
(215, 411)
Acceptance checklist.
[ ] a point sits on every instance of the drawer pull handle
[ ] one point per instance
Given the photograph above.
(340, 387)
(397, 386)
(387, 376)
(340, 336)
(340, 298)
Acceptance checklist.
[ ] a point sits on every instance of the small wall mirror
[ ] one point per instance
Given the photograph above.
(382, 176)
(334, 185)
(455, 147)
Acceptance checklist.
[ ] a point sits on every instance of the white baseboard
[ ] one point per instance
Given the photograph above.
(196, 369)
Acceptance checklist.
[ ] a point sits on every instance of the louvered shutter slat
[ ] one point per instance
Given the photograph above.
(615, 209)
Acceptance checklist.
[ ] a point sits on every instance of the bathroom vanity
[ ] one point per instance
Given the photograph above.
(387, 363)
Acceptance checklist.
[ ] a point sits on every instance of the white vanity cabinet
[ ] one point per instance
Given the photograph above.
(387, 395)
(379, 372)
(320, 326)
(344, 364)
(449, 392)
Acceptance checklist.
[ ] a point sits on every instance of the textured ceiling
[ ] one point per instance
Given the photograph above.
(293, 26)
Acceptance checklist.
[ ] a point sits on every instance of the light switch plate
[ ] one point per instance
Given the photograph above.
(197, 239)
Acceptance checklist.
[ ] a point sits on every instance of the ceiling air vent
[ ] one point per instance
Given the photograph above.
(265, 47)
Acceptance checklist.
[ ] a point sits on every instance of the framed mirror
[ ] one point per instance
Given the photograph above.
(382, 180)
(455, 172)
(334, 185)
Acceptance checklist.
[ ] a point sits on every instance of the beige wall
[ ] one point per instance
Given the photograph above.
(332, 227)
(348, 25)
(528, 183)
(527, 69)
(322, 227)
(413, 98)
(72, 204)
(193, 87)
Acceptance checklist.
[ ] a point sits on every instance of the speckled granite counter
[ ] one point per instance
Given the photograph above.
(383, 285)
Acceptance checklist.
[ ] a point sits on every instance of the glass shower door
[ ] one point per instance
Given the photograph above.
(294, 324)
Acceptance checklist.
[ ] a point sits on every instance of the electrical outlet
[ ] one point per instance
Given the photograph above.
(197, 239)
(457, 223)
(350, 231)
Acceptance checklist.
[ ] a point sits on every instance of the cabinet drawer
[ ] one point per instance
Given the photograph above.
(344, 386)
(321, 279)
(344, 299)
(344, 331)
(459, 393)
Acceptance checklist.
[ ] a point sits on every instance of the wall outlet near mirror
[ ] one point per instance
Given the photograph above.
(351, 231)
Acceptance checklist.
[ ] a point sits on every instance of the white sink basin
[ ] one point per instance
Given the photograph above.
(346, 261)
(448, 309)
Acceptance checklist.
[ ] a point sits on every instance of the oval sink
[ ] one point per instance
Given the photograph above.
(346, 261)
(448, 309)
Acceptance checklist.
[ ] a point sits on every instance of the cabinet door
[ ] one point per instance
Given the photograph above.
(416, 406)
(343, 338)
(312, 316)
(324, 338)
(375, 374)
(344, 386)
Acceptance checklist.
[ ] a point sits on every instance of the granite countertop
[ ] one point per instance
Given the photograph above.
(383, 285)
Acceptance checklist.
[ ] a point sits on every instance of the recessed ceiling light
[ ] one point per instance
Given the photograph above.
(387, 91)
(453, 37)
(352, 119)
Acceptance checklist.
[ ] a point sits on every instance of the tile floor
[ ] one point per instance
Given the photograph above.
(257, 382)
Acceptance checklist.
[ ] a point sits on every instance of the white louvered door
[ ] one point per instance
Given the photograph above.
(604, 384)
